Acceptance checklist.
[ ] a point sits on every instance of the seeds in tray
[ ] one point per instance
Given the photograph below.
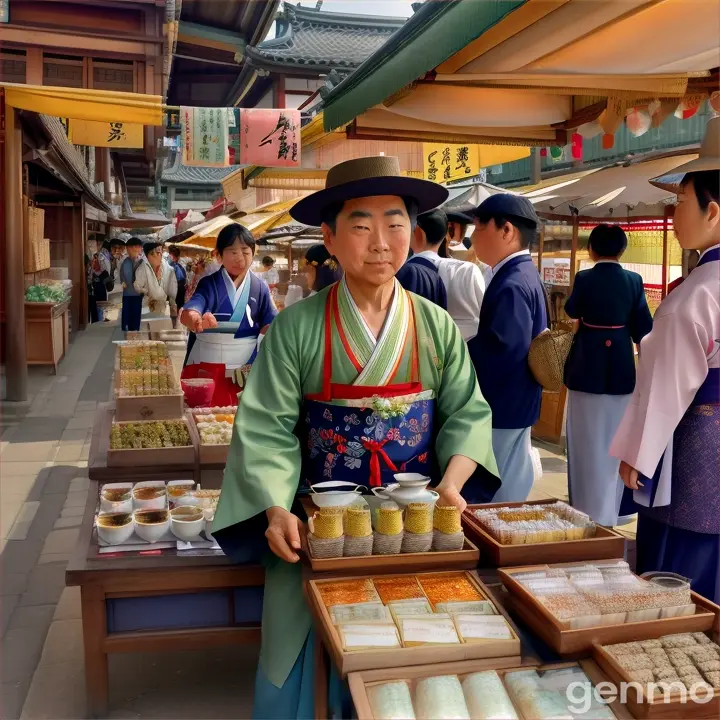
(635, 662)
(449, 587)
(347, 592)
(624, 648)
(679, 640)
(709, 665)
(649, 644)
(690, 672)
(699, 653)
(666, 674)
(475, 607)
(662, 665)
(393, 589)
(642, 676)
(713, 678)
(146, 435)
(702, 638)
(657, 653)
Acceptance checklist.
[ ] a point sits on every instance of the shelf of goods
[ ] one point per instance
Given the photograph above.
(484, 690)
(405, 558)
(675, 676)
(573, 606)
(212, 430)
(396, 620)
(145, 387)
(511, 534)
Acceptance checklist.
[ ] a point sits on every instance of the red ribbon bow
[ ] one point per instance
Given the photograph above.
(376, 448)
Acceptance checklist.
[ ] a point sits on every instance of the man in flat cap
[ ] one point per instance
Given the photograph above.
(513, 313)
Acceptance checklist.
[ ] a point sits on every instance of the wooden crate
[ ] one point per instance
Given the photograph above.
(150, 457)
(207, 454)
(359, 682)
(355, 660)
(572, 642)
(148, 407)
(605, 545)
(641, 705)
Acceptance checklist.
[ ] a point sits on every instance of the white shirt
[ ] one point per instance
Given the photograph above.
(271, 276)
(497, 267)
(465, 288)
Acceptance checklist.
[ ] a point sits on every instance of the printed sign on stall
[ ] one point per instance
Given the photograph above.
(105, 134)
(442, 162)
(270, 138)
(205, 136)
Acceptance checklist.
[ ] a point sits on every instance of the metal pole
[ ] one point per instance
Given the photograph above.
(665, 256)
(574, 248)
(16, 372)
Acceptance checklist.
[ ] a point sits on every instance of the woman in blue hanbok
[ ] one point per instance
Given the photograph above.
(231, 308)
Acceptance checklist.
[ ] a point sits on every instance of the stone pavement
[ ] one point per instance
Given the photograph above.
(43, 488)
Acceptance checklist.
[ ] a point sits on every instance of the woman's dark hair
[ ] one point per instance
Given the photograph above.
(106, 245)
(706, 186)
(117, 242)
(608, 241)
(267, 261)
(327, 268)
(230, 233)
(330, 213)
(174, 250)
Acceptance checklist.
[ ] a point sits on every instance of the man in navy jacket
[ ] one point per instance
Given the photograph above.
(512, 314)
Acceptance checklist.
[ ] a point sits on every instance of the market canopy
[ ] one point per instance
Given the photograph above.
(620, 191)
(83, 104)
(526, 72)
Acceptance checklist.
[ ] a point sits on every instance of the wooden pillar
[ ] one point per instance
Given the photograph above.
(665, 254)
(34, 66)
(290, 258)
(574, 249)
(541, 245)
(16, 373)
(279, 92)
(79, 302)
(535, 166)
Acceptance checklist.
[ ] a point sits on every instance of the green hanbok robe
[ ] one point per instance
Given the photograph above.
(264, 463)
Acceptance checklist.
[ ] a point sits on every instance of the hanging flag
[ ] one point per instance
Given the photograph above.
(638, 121)
(270, 138)
(205, 136)
(689, 105)
(234, 136)
(543, 152)
(105, 134)
(608, 141)
(577, 146)
(556, 153)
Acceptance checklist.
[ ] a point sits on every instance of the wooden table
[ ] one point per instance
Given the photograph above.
(47, 332)
(105, 581)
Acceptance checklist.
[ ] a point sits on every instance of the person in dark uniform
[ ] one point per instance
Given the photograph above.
(610, 307)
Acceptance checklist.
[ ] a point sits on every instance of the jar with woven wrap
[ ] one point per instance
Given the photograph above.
(326, 539)
(447, 534)
(388, 530)
(418, 535)
(358, 531)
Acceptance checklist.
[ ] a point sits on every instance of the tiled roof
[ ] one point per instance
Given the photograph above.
(323, 40)
(179, 174)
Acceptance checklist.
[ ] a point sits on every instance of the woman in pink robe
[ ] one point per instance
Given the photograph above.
(669, 438)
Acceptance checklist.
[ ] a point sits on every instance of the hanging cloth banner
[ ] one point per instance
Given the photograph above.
(443, 162)
(270, 138)
(234, 136)
(205, 136)
(105, 134)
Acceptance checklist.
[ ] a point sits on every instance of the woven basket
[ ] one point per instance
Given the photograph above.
(444, 542)
(416, 542)
(387, 544)
(322, 549)
(547, 356)
(357, 546)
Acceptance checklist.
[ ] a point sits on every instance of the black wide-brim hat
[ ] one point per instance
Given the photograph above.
(366, 177)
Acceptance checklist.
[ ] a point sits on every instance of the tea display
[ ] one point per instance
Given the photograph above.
(674, 662)
(146, 435)
(410, 604)
(143, 355)
(215, 424)
(527, 524)
(590, 595)
(488, 695)
(155, 381)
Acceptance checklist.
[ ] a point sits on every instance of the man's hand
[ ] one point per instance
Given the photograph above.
(450, 495)
(208, 321)
(629, 476)
(284, 533)
(192, 320)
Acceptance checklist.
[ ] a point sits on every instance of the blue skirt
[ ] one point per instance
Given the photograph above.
(687, 553)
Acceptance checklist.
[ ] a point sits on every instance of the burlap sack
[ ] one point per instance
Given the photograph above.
(387, 544)
(443, 542)
(416, 542)
(322, 549)
(356, 546)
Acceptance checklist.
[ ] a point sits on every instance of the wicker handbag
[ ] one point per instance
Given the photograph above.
(549, 352)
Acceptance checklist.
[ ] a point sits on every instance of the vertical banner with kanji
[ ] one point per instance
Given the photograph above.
(449, 162)
(205, 136)
(4, 11)
(270, 138)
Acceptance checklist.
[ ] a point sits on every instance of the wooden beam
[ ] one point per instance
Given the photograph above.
(541, 246)
(34, 66)
(16, 368)
(205, 36)
(279, 92)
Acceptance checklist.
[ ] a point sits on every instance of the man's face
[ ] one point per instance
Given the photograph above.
(133, 251)
(371, 238)
(492, 243)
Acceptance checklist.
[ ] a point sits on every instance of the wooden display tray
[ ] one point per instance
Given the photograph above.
(605, 545)
(354, 660)
(641, 706)
(152, 456)
(129, 408)
(207, 454)
(360, 681)
(573, 642)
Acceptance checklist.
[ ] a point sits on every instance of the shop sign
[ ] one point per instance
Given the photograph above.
(443, 162)
(205, 136)
(270, 138)
(106, 134)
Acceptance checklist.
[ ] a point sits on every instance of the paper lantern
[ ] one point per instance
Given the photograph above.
(556, 153)
(577, 146)
(589, 130)
(638, 122)
(608, 141)
(543, 152)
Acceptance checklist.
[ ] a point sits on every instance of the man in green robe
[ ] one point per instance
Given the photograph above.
(312, 406)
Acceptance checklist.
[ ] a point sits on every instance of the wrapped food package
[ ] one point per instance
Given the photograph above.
(527, 694)
(393, 589)
(440, 698)
(391, 701)
(487, 698)
(347, 592)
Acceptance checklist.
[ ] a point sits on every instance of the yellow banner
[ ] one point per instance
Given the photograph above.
(443, 162)
(106, 134)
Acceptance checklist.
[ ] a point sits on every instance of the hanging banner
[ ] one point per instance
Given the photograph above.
(105, 134)
(205, 136)
(4, 11)
(234, 136)
(443, 162)
(270, 138)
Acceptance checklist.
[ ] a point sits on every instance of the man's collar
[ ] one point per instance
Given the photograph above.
(510, 257)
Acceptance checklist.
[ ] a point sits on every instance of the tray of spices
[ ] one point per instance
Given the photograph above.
(510, 534)
(674, 676)
(484, 690)
(573, 606)
(150, 442)
(396, 620)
